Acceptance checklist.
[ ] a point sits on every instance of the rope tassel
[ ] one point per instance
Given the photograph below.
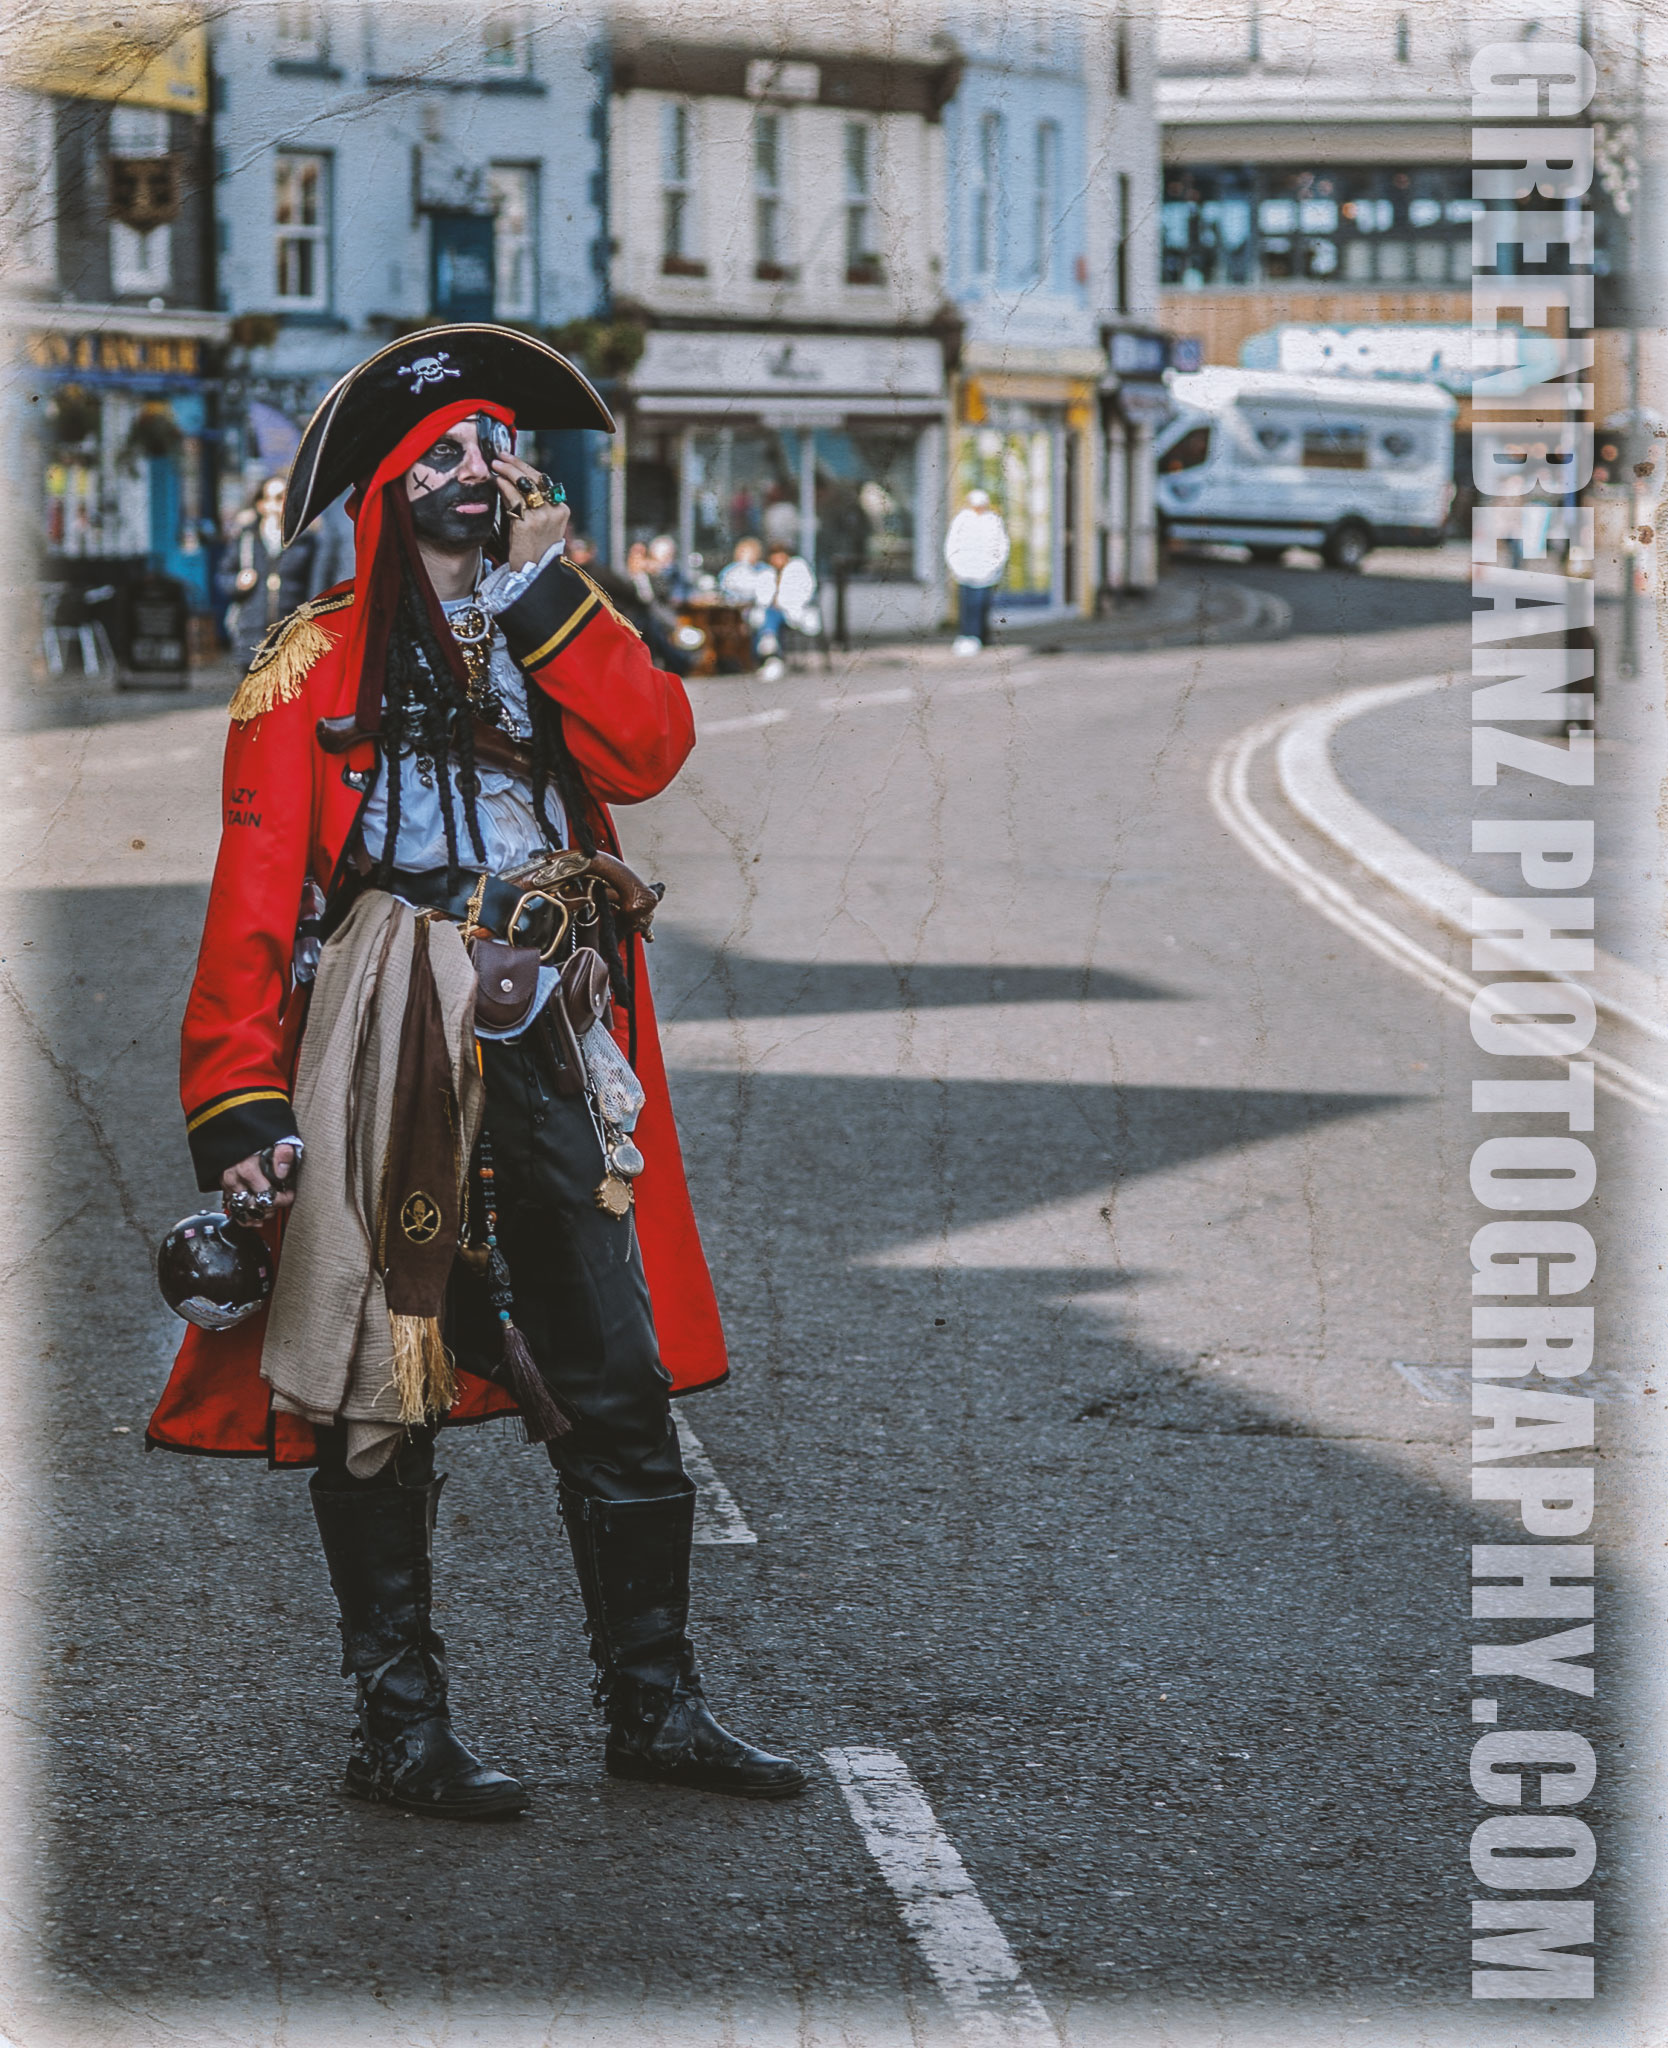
(542, 1417)
(423, 1376)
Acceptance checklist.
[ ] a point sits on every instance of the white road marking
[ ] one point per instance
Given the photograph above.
(1314, 789)
(1451, 1386)
(967, 1953)
(858, 698)
(1230, 796)
(717, 1518)
(749, 722)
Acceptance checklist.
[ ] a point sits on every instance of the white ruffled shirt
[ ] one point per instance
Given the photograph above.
(510, 831)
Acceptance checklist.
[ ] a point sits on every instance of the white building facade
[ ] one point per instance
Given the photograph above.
(777, 223)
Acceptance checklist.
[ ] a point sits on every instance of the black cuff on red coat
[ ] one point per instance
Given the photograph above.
(560, 602)
(231, 1127)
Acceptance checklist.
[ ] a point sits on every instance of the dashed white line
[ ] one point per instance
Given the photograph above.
(717, 1518)
(857, 699)
(748, 722)
(967, 1953)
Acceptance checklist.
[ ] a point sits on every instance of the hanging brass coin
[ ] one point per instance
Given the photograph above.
(614, 1196)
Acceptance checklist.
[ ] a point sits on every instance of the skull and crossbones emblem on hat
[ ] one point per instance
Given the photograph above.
(429, 369)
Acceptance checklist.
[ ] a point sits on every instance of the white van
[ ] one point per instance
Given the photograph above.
(1335, 463)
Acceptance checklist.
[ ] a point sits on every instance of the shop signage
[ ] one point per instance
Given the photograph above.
(172, 355)
(143, 191)
(1145, 405)
(765, 366)
(1453, 356)
(1137, 355)
(155, 58)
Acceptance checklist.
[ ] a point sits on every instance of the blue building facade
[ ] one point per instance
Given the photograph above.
(380, 166)
(1052, 152)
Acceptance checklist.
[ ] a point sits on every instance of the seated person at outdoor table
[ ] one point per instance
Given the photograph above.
(741, 576)
(787, 589)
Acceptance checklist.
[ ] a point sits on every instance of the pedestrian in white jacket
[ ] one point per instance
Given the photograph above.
(976, 553)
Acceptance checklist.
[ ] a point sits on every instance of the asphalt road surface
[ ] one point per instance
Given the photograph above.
(1072, 1190)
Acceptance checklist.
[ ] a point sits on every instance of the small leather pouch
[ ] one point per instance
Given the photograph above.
(581, 1000)
(584, 990)
(506, 982)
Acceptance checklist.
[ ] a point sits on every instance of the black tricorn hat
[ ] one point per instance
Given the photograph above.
(373, 408)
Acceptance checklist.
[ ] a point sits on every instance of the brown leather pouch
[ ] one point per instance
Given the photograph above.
(584, 990)
(581, 1000)
(507, 980)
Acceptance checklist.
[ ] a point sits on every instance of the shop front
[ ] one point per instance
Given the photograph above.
(1025, 435)
(126, 438)
(831, 445)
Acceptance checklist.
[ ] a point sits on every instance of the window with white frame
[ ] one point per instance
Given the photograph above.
(141, 259)
(301, 224)
(504, 43)
(138, 131)
(987, 181)
(677, 191)
(298, 31)
(515, 203)
(862, 259)
(769, 209)
(1046, 203)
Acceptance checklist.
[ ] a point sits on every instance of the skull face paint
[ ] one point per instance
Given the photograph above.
(437, 491)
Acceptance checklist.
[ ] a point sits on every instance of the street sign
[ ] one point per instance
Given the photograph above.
(156, 627)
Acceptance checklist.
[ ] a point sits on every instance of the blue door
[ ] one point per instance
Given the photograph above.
(461, 266)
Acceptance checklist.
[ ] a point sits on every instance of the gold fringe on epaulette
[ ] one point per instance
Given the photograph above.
(604, 599)
(423, 1376)
(280, 668)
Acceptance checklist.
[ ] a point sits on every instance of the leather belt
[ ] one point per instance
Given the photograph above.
(429, 890)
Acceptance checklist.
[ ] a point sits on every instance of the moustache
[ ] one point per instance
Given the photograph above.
(436, 514)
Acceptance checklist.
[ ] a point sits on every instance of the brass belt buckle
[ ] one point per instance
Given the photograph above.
(538, 899)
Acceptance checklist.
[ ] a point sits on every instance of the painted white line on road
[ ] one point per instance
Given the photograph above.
(967, 1953)
(1312, 786)
(859, 698)
(717, 1518)
(1230, 796)
(748, 722)
(1451, 1386)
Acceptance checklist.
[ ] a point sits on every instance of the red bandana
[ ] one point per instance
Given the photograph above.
(381, 516)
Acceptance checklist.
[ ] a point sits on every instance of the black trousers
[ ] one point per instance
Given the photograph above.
(581, 1299)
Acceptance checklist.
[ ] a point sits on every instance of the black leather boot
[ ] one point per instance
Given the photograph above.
(379, 1545)
(633, 1560)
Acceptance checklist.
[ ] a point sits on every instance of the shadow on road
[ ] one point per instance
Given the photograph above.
(1184, 1680)
(1338, 604)
(742, 985)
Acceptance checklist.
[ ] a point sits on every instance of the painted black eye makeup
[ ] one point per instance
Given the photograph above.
(444, 456)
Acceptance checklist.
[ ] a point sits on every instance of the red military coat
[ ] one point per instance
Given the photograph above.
(289, 809)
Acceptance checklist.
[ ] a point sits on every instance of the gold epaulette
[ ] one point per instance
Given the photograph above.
(603, 598)
(287, 651)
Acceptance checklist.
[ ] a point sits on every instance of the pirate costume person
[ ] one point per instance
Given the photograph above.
(423, 958)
